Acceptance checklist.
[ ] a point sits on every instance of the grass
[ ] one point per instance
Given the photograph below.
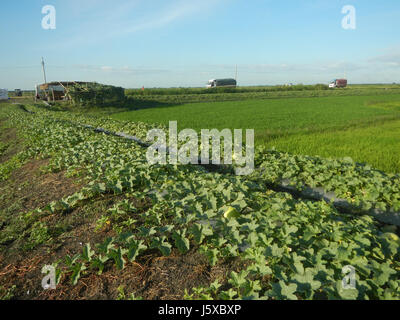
(280, 115)
(377, 145)
(326, 126)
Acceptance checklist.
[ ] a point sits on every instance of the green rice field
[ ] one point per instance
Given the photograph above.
(365, 128)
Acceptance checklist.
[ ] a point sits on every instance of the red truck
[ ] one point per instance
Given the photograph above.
(338, 83)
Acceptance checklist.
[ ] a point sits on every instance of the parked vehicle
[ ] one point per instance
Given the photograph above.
(227, 83)
(338, 83)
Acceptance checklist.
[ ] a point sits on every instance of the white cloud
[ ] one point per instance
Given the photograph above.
(102, 20)
(390, 59)
(119, 70)
(316, 67)
(178, 10)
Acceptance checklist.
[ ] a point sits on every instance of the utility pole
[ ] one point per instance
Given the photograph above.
(236, 74)
(44, 71)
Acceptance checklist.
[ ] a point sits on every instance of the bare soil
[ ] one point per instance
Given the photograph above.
(13, 144)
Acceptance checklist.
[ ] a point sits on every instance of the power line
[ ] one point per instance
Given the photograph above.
(18, 67)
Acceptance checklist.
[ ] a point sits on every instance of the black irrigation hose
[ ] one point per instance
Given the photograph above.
(342, 205)
(316, 194)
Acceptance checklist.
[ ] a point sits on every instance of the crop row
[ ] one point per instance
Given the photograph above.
(289, 248)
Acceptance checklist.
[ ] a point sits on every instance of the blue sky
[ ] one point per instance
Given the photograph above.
(169, 43)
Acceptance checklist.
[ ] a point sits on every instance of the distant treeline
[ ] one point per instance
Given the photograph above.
(186, 91)
(160, 99)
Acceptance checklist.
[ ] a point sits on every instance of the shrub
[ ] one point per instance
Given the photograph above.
(95, 94)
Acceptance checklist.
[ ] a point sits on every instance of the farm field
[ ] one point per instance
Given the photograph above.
(326, 126)
(202, 156)
(148, 97)
(115, 227)
(376, 144)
